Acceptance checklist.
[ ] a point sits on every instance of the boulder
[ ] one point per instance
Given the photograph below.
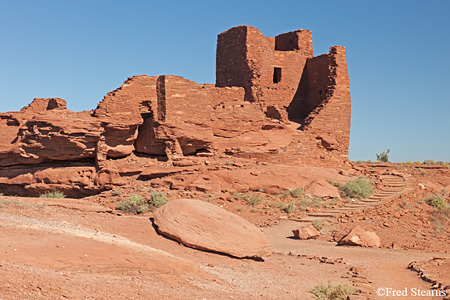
(204, 226)
(306, 233)
(359, 237)
(322, 188)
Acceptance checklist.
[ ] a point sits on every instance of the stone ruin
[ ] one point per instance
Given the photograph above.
(273, 101)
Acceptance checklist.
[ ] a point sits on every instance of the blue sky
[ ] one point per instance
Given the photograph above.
(396, 54)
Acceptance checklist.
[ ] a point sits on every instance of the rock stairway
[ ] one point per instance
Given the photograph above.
(394, 185)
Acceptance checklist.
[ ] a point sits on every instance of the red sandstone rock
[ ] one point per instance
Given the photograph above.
(204, 226)
(262, 107)
(322, 188)
(306, 233)
(360, 237)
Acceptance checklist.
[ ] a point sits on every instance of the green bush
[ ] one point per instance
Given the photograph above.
(358, 188)
(134, 204)
(330, 291)
(53, 194)
(435, 201)
(157, 199)
(428, 162)
(383, 156)
(117, 193)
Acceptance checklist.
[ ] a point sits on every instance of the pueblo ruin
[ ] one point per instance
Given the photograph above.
(274, 102)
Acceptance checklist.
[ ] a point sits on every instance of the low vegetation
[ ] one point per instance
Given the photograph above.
(157, 199)
(290, 207)
(383, 156)
(254, 199)
(358, 188)
(297, 192)
(317, 225)
(440, 217)
(330, 291)
(134, 204)
(250, 199)
(52, 194)
(436, 200)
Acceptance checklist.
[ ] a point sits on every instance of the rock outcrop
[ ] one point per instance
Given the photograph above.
(357, 236)
(274, 102)
(204, 226)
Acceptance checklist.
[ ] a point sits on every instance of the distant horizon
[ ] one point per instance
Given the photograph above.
(395, 55)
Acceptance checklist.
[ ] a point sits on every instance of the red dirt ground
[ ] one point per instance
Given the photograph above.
(85, 249)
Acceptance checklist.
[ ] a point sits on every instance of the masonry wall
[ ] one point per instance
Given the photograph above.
(268, 68)
(136, 96)
(186, 100)
(332, 114)
(231, 58)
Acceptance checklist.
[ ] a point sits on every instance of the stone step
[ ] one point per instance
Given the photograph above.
(306, 219)
(385, 193)
(370, 200)
(359, 205)
(323, 214)
(344, 209)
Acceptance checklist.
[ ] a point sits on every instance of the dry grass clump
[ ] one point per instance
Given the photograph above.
(330, 291)
(358, 188)
(436, 200)
(52, 194)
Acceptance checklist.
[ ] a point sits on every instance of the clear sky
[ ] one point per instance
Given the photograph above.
(397, 55)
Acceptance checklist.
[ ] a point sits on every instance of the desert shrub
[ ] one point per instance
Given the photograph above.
(428, 162)
(330, 291)
(404, 204)
(157, 199)
(134, 204)
(383, 156)
(239, 196)
(254, 199)
(422, 172)
(117, 193)
(295, 193)
(436, 200)
(317, 225)
(290, 207)
(52, 194)
(358, 188)
(317, 202)
(440, 218)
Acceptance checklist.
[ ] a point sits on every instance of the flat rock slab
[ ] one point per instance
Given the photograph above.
(204, 226)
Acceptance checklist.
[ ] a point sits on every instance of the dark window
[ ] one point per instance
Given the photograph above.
(276, 75)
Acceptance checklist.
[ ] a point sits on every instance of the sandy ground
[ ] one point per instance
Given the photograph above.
(74, 249)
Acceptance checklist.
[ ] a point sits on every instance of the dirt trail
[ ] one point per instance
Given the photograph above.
(55, 252)
(386, 268)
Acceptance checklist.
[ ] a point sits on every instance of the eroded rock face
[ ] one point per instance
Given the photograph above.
(256, 110)
(204, 226)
